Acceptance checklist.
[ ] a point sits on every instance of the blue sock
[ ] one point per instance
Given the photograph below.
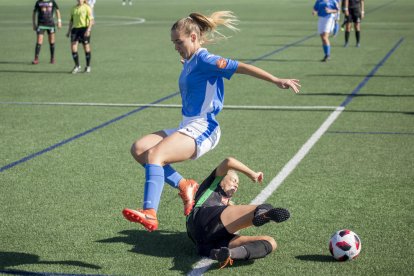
(172, 177)
(336, 28)
(154, 183)
(327, 50)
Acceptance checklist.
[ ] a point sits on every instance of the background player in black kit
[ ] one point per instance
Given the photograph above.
(45, 22)
(214, 220)
(354, 11)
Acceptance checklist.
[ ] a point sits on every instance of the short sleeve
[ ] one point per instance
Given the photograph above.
(217, 65)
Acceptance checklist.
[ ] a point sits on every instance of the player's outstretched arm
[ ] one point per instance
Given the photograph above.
(256, 72)
(231, 163)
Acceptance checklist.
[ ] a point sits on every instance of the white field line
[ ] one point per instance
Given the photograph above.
(204, 264)
(253, 107)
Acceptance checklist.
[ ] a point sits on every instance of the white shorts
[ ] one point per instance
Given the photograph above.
(206, 134)
(326, 24)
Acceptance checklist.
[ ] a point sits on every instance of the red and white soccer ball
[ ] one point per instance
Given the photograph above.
(345, 245)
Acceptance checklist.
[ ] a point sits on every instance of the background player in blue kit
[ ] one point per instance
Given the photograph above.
(202, 92)
(326, 10)
(45, 10)
(354, 11)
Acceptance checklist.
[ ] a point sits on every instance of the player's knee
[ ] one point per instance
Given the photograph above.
(272, 241)
(136, 150)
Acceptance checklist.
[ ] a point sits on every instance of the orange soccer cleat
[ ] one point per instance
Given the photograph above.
(188, 188)
(148, 218)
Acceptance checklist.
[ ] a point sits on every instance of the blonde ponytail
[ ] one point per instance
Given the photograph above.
(206, 26)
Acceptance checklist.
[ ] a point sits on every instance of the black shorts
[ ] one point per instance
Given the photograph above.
(78, 34)
(207, 231)
(354, 15)
(40, 30)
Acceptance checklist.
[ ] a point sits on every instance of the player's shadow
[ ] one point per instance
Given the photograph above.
(164, 244)
(11, 259)
(35, 72)
(316, 258)
(14, 62)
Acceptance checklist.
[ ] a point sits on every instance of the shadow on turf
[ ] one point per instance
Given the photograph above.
(316, 258)
(165, 244)
(35, 72)
(10, 259)
(14, 62)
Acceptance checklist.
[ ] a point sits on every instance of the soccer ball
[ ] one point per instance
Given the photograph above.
(344, 245)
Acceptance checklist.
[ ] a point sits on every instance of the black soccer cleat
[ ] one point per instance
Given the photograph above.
(275, 214)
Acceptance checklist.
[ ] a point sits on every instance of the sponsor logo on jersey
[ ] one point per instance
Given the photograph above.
(221, 63)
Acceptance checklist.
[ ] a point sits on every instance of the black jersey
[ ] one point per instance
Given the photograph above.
(210, 192)
(354, 4)
(204, 225)
(45, 10)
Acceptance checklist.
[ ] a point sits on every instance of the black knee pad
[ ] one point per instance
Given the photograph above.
(257, 249)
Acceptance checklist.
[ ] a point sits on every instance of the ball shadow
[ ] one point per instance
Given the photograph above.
(316, 258)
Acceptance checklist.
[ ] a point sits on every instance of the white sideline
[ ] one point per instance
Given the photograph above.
(253, 107)
(204, 264)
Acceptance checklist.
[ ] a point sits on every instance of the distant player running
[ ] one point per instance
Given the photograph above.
(45, 23)
(214, 222)
(326, 10)
(80, 25)
(202, 93)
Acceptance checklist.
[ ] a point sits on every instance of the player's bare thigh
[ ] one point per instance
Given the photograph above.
(177, 147)
(140, 146)
(237, 217)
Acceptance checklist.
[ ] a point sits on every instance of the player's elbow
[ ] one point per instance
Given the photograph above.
(229, 162)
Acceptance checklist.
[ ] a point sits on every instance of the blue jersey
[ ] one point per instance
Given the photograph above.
(201, 84)
(321, 5)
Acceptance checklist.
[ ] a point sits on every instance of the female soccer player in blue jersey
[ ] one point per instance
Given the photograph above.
(202, 93)
(325, 9)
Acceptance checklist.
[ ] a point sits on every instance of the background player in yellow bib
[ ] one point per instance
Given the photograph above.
(80, 25)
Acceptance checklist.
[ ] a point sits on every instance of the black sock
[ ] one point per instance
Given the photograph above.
(37, 50)
(239, 253)
(254, 250)
(347, 36)
(357, 36)
(88, 58)
(52, 50)
(75, 58)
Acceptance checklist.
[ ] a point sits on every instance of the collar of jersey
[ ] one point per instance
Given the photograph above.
(196, 53)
